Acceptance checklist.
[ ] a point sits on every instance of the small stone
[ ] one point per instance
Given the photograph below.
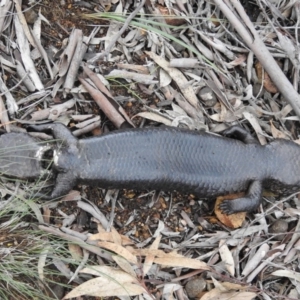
(58, 290)
(279, 226)
(207, 96)
(257, 90)
(178, 47)
(30, 15)
(194, 287)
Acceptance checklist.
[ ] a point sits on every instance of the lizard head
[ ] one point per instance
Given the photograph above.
(21, 156)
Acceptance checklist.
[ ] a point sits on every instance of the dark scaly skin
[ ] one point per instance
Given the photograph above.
(174, 159)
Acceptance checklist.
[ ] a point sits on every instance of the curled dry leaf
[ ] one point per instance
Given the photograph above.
(170, 17)
(76, 251)
(76, 59)
(228, 290)
(277, 133)
(287, 273)
(238, 60)
(226, 257)
(164, 78)
(68, 53)
(264, 78)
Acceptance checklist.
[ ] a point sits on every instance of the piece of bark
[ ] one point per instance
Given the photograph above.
(67, 55)
(22, 74)
(104, 104)
(250, 36)
(20, 16)
(3, 13)
(25, 55)
(74, 63)
(11, 104)
(43, 54)
(3, 116)
(98, 83)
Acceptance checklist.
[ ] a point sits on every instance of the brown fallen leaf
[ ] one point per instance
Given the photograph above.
(124, 265)
(226, 256)
(287, 273)
(119, 250)
(233, 286)
(108, 237)
(227, 290)
(149, 259)
(111, 282)
(183, 262)
(117, 239)
(234, 220)
(171, 259)
(239, 60)
(217, 294)
(154, 117)
(170, 18)
(277, 134)
(264, 77)
(76, 251)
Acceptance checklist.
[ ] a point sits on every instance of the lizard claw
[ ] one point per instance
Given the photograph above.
(226, 207)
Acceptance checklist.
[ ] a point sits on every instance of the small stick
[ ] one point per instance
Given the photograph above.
(250, 36)
(117, 36)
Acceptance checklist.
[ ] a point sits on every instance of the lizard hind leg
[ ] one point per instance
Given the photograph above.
(239, 133)
(248, 203)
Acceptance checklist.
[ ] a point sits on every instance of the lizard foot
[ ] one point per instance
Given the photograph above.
(227, 207)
